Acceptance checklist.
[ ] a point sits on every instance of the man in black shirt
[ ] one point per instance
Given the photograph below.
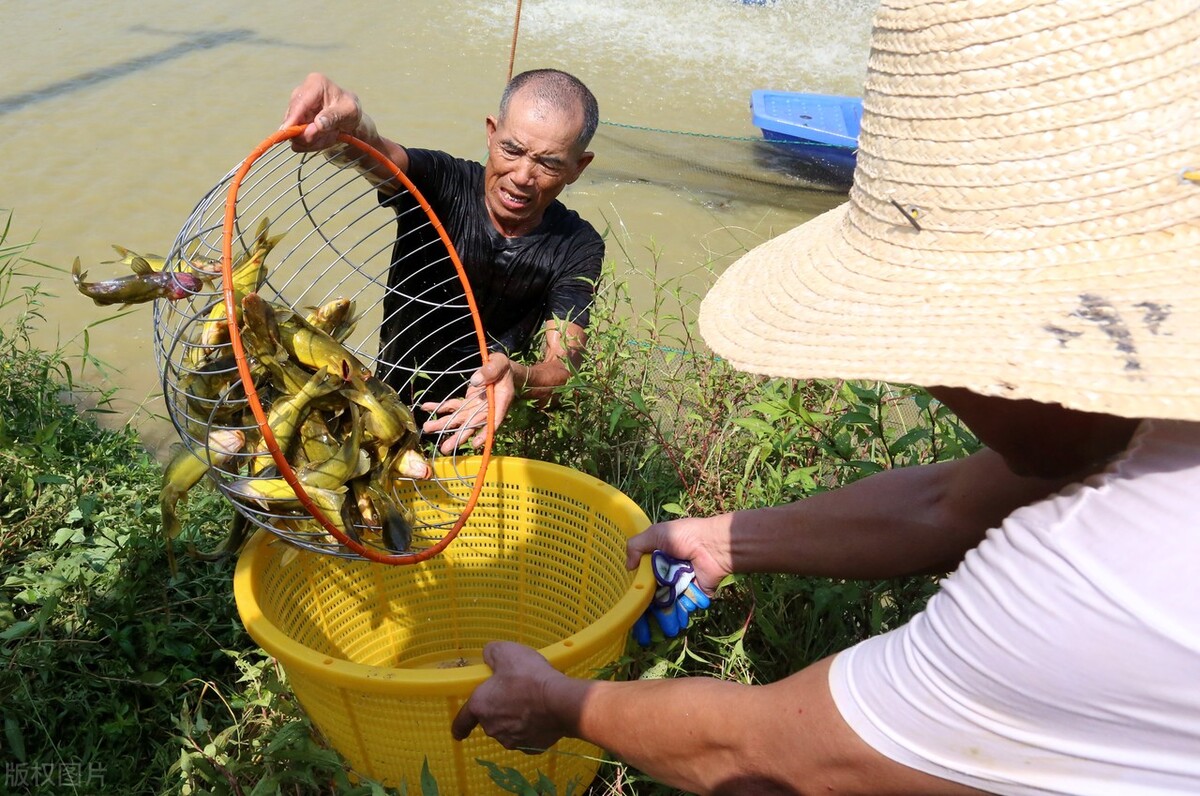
(532, 263)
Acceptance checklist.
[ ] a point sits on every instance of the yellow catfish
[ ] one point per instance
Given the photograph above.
(276, 494)
(247, 275)
(335, 317)
(287, 414)
(185, 470)
(157, 262)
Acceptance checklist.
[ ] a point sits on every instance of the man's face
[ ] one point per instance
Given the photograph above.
(532, 156)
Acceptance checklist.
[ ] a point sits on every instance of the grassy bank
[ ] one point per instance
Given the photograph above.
(117, 678)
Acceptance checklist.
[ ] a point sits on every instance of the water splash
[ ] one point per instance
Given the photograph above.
(718, 50)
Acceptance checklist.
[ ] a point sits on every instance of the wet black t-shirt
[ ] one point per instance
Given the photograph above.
(518, 283)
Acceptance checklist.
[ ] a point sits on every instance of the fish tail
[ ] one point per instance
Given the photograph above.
(170, 524)
(167, 503)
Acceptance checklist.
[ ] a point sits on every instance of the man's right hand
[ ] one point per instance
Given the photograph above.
(326, 109)
(704, 541)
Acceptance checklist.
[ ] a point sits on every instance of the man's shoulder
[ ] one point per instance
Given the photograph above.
(428, 160)
(576, 246)
(565, 221)
(445, 181)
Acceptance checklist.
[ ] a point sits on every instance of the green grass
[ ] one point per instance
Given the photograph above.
(117, 678)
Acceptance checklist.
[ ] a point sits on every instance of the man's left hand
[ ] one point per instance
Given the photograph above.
(512, 704)
(467, 416)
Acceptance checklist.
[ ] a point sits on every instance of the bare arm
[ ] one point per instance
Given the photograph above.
(562, 350)
(710, 736)
(327, 109)
(699, 734)
(899, 522)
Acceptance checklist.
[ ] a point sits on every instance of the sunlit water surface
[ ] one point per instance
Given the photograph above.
(116, 118)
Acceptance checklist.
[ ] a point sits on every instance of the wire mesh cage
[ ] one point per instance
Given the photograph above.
(335, 317)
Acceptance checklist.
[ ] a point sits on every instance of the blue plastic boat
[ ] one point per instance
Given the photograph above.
(817, 129)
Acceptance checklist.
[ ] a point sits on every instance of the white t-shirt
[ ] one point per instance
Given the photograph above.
(1063, 655)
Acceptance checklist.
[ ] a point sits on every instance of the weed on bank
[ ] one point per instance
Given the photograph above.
(117, 678)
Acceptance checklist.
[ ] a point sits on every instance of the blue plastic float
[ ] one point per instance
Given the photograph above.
(818, 129)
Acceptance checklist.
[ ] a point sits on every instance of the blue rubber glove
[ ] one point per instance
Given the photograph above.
(676, 597)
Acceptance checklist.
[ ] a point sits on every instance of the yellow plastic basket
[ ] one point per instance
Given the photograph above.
(381, 658)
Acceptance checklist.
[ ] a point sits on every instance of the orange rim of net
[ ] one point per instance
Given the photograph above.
(243, 366)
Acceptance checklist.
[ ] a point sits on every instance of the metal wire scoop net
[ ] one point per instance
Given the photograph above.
(334, 309)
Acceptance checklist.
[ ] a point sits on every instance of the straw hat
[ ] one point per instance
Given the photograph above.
(1024, 220)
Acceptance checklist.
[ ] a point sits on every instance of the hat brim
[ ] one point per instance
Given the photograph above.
(812, 303)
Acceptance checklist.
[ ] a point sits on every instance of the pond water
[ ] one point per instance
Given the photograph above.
(116, 118)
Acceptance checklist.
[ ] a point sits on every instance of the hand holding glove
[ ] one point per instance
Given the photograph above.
(676, 597)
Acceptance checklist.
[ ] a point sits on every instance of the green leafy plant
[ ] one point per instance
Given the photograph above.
(117, 678)
(111, 671)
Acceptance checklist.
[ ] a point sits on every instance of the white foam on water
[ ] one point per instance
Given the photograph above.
(698, 51)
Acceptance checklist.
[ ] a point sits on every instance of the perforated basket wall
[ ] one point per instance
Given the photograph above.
(382, 658)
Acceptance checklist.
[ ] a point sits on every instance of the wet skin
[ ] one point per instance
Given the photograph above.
(533, 154)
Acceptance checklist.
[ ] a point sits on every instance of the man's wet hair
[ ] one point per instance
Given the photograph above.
(561, 90)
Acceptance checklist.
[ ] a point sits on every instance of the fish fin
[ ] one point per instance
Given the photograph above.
(168, 501)
(364, 464)
(140, 265)
(125, 254)
(264, 226)
(75, 274)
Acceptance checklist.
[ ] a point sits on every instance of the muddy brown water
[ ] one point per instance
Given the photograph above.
(116, 118)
